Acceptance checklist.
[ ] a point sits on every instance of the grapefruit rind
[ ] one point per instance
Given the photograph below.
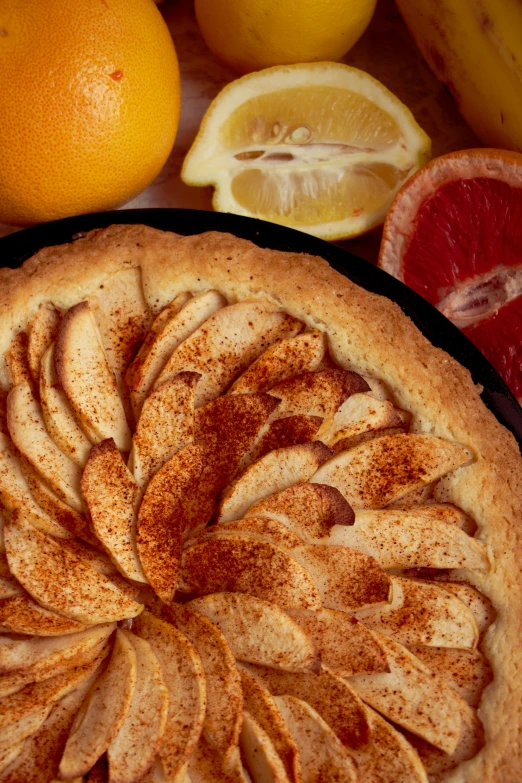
(485, 303)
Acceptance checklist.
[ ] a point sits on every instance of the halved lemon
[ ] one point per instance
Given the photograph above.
(321, 147)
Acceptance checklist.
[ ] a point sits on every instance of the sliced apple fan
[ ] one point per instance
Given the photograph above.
(303, 648)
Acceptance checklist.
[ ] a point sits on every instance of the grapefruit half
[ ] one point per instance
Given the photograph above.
(454, 234)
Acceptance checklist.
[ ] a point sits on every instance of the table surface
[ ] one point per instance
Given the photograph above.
(386, 51)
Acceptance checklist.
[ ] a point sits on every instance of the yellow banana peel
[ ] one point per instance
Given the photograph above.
(475, 48)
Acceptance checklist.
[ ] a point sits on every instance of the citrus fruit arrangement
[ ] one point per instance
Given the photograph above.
(454, 235)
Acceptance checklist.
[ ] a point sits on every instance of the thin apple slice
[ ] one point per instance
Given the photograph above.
(235, 769)
(123, 317)
(20, 614)
(111, 494)
(163, 517)
(95, 557)
(378, 389)
(132, 751)
(401, 426)
(361, 412)
(62, 657)
(447, 512)
(436, 762)
(388, 758)
(87, 380)
(156, 774)
(104, 565)
(224, 696)
(283, 433)
(100, 562)
(418, 497)
(408, 539)
(260, 704)
(286, 358)
(318, 393)
(58, 415)
(362, 416)
(22, 713)
(229, 426)
(61, 580)
(346, 645)
(239, 563)
(19, 730)
(9, 588)
(423, 613)
(259, 631)
(171, 309)
(130, 589)
(378, 471)
(15, 494)
(22, 655)
(227, 343)
(39, 760)
(323, 756)
(346, 579)
(17, 362)
(480, 605)
(104, 711)
(259, 755)
(226, 428)
(274, 472)
(42, 331)
(165, 426)
(260, 527)
(205, 766)
(8, 754)
(65, 653)
(468, 671)
(185, 680)
(413, 697)
(169, 331)
(331, 696)
(64, 515)
(30, 436)
(309, 510)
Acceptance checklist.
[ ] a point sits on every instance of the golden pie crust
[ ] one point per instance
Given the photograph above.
(366, 333)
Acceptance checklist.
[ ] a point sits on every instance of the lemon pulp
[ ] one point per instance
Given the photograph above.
(324, 157)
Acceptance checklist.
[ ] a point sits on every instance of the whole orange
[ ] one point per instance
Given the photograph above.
(89, 104)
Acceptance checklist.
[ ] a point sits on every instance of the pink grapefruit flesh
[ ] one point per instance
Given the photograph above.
(456, 239)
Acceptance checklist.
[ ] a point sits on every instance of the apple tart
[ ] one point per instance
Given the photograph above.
(254, 527)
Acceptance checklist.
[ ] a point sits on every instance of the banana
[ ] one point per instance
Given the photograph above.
(474, 47)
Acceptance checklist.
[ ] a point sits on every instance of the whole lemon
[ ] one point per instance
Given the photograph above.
(89, 104)
(249, 35)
